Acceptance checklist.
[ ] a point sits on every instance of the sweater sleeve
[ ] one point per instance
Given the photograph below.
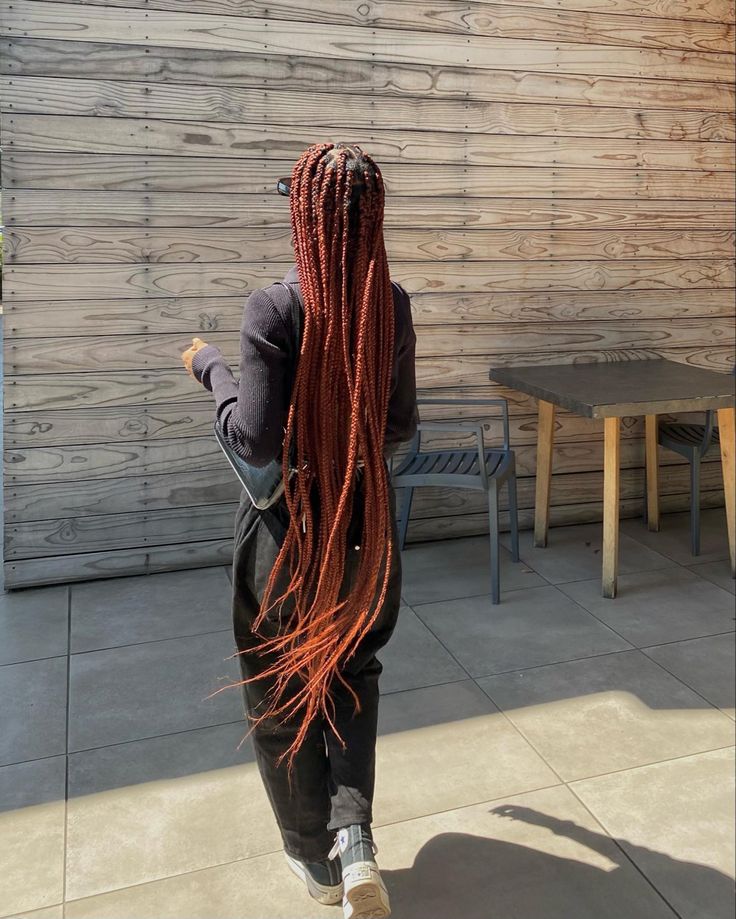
(252, 410)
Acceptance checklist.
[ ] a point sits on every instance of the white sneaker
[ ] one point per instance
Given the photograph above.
(364, 893)
(323, 879)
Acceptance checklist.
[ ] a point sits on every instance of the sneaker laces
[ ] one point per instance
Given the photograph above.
(337, 848)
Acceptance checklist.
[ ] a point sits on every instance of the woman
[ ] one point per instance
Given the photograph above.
(317, 576)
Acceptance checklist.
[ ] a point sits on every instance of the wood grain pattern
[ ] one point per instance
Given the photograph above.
(98, 134)
(395, 79)
(26, 282)
(145, 493)
(499, 20)
(202, 316)
(170, 420)
(699, 10)
(161, 351)
(30, 207)
(104, 532)
(467, 186)
(560, 178)
(462, 375)
(107, 245)
(60, 569)
(337, 111)
(201, 31)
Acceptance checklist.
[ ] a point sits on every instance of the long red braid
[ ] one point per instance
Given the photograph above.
(337, 417)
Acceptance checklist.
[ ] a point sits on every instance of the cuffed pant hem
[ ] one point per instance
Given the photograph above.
(337, 823)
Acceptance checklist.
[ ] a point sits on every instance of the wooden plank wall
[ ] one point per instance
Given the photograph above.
(561, 188)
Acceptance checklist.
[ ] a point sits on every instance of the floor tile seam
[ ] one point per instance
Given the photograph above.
(597, 618)
(149, 641)
(562, 593)
(276, 851)
(571, 660)
(509, 590)
(614, 840)
(714, 561)
(441, 643)
(519, 730)
(678, 641)
(717, 553)
(16, 913)
(121, 743)
(620, 635)
(671, 565)
(656, 762)
(685, 683)
(33, 660)
(565, 781)
(392, 692)
(34, 759)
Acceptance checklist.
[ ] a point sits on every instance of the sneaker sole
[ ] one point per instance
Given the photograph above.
(365, 894)
(328, 896)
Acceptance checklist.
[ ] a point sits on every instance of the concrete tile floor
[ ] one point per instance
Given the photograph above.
(555, 757)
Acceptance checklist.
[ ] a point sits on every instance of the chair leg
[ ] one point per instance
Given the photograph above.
(513, 516)
(404, 516)
(695, 505)
(494, 537)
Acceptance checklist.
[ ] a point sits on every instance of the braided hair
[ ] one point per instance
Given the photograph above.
(336, 423)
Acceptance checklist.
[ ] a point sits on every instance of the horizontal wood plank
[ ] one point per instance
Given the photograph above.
(161, 351)
(194, 554)
(67, 282)
(62, 569)
(397, 79)
(169, 421)
(200, 316)
(495, 19)
(162, 527)
(34, 207)
(471, 184)
(338, 111)
(110, 245)
(201, 31)
(458, 526)
(698, 10)
(182, 490)
(98, 134)
(457, 376)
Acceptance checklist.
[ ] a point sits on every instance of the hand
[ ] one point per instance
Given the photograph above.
(187, 355)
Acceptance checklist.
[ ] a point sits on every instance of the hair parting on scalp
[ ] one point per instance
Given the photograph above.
(336, 420)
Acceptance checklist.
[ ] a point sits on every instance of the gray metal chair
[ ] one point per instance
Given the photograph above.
(691, 441)
(480, 469)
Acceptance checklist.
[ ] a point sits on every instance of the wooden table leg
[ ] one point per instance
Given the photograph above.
(611, 462)
(545, 442)
(652, 464)
(727, 433)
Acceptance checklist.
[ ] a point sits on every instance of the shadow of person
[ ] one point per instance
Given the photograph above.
(473, 877)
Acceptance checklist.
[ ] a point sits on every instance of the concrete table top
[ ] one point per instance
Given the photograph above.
(610, 390)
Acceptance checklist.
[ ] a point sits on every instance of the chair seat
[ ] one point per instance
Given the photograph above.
(450, 466)
(689, 435)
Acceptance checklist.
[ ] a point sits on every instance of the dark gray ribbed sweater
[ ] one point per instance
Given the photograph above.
(252, 410)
